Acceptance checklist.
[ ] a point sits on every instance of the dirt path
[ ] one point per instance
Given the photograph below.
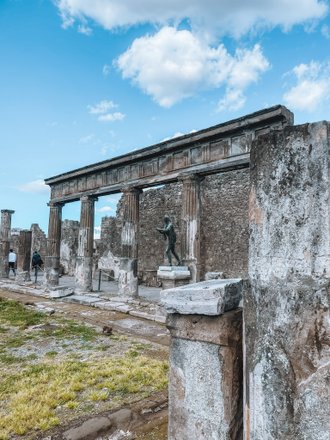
(120, 322)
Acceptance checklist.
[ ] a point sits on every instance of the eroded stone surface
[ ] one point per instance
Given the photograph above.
(206, 298)
(287, 310)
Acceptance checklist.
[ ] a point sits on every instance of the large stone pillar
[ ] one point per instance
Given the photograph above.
(128, 279)
(206, 371)
(84, 265)
(24, 255)
(191, 225)
(52, 260)
(5, 230)
(286, 313)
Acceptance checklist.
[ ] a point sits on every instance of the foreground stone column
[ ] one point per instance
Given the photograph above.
(84, 265)
(128, 280)
(286, 314)
(5, 230)
(52, 260)
(24, 256)
(191, 225)
(205, 389)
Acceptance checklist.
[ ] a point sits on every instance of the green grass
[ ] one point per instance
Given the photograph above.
(35, 390)
(30, 399)
(15, 314)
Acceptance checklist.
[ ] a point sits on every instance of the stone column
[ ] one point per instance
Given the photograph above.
(84, 265)
(286, 313)
(128, 280)
(191, 225)
(205, 389)
(5, 241)
(52, 259)
(24, 256)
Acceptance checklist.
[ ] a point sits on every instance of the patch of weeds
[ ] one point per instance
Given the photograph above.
(15, 314)
(9, 359)
(31, 399)
(72, 329)
(51, 354)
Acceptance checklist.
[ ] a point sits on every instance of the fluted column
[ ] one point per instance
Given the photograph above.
(52, 260)
(84, 265)
(24, 255)
(128, 280)
(5, 241)
(191, 225)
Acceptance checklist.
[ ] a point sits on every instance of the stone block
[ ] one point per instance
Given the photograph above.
(206, 298)
(89, 429)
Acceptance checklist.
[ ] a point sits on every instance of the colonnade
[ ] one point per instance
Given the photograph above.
(128, 280)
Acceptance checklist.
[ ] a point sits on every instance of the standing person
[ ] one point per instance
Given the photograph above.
(12, 258)
(168, 231)
(36, 260)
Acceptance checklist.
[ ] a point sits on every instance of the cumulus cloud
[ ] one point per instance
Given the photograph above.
(36, 186)
(105, 209)
(206, 16)
(311, 88)
(111, 117)
(101, 109)
(106, 69)
(172, 65)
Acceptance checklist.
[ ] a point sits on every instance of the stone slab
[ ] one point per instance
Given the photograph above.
(82, 299)
(88, 429)
(206, 298)
(61, 293)
(173, 268)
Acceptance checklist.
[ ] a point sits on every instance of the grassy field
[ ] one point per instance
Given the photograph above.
(55, 369)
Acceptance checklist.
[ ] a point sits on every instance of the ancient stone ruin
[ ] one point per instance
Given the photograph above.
(250, 340)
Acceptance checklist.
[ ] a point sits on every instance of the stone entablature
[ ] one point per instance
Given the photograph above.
(221, 147)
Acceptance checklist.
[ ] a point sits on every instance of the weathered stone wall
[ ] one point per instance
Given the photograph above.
(109, 246)
(224, 226)
(69, 246)
(39, 240)
(287, 311)
(154, 204)
(225, 223)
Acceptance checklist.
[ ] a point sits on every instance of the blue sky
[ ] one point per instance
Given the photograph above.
(86, 80)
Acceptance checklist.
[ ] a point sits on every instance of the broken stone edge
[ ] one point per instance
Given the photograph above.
(211, 298)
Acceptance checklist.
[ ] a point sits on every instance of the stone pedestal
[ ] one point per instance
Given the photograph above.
(173, 276)
(205, 389)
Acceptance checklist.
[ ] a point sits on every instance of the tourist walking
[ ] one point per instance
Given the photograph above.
(12, 258)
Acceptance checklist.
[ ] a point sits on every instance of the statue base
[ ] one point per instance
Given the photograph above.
(173, 276)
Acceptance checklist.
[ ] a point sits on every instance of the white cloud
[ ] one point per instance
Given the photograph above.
(325, 31)
(206, 16)
(172, 65)
(105, 209)
(312, 87)
(86, 30)
(111, 117)
(97, 232)
(106, 69)
(36, 186)
(101, 107)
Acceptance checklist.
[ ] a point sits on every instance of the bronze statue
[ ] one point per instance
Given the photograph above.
(168, 231)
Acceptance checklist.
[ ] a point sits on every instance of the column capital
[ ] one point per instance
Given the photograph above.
(187, 178)
(131, 190)
(53, 204)
(8, 211)
(88, 197)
